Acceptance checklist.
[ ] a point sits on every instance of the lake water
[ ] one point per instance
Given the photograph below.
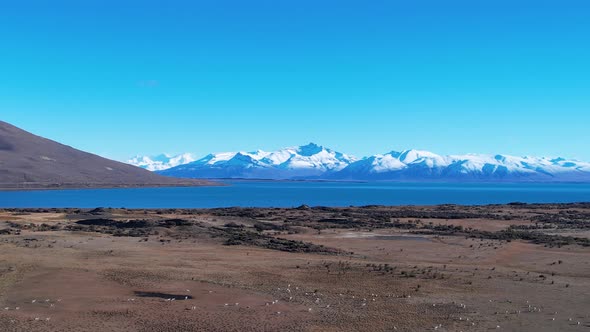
(290, 194)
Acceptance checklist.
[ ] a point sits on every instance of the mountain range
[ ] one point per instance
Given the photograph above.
(304, 162)
(315, 162)
(28, 161)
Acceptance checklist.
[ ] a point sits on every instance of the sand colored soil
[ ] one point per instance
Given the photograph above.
(200, 271)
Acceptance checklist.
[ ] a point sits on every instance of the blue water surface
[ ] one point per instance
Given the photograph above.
(290, 194)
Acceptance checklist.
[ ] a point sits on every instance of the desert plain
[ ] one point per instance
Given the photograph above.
(516, 267)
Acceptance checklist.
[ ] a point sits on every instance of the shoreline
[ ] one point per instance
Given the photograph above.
(39, 187)
(304, 207)
(222, 182)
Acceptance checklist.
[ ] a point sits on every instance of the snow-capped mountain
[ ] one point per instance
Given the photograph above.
(305, 161)
(316, 162)
(161, 162)
(416, 165)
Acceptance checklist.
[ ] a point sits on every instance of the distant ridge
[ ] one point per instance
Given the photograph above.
(28, 161)
(303, 162)
(315, 162)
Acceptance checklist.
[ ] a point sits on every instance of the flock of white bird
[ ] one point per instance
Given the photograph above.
(35, 301)
(529, 308)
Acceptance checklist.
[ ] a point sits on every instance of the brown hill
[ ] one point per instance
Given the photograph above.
(30, 161)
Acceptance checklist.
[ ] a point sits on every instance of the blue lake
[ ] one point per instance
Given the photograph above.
(290, 194)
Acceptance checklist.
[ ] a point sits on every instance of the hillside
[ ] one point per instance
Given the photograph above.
(28, 161)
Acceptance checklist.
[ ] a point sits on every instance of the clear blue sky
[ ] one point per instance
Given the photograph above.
(120, 78)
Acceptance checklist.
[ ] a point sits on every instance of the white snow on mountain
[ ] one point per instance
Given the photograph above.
(424, 165)
(161, 162)
(316, 162)
(303, 161)
(387, 162)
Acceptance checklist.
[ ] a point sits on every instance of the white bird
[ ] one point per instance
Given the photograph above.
(33, 301)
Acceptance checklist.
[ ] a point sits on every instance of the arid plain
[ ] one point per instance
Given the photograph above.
(517, 267)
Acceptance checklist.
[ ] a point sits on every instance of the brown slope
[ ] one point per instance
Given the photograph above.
(30, 161)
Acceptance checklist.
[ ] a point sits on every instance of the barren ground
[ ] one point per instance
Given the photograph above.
(445, 268)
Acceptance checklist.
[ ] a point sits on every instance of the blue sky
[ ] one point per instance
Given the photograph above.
(120, 78)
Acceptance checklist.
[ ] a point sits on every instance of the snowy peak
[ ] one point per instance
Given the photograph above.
(309, 160)
(387, 162)
(416, 165)
(313, 161)
(317, 157)
(409, 156)
(310, 149)
(161, 162)
(423, 158)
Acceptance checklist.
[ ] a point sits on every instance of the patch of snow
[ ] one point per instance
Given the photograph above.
(161, 162)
